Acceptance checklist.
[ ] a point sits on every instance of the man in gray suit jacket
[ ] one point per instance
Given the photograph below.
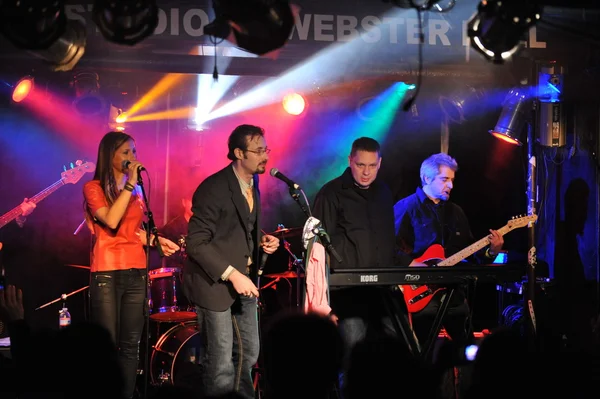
(223, 245)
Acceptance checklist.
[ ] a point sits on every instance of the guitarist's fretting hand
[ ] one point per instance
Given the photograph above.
(27, 208)
(496, 242)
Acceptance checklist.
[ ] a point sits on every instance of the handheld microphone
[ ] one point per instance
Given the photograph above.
(263, 262)
(127, 163)
(277, 174)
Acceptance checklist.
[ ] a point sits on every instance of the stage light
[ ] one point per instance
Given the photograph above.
(22, 89)
(122, 117)
(498, 27)
(293, 103)
(461, 103)
(257, 26)
(425, 5)
(125, 21)
(41, 27)
(514, 116)
(116, 118)
(88, 101)
(551, 114)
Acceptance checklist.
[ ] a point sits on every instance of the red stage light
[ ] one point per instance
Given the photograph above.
(505, 138)
(293, 103)
(22, 89)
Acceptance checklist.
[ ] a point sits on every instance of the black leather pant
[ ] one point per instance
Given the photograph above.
(117, 303)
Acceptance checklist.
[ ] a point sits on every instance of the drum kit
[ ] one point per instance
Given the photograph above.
(174, 335)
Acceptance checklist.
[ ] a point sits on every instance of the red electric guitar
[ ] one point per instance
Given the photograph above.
(71, 176)
(418, 296)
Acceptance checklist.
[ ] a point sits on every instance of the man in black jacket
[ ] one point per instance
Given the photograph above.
(223, 247)
(357, 211)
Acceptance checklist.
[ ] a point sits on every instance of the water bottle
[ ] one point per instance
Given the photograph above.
(64, 317)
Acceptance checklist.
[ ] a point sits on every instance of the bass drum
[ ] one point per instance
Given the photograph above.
(176, 356)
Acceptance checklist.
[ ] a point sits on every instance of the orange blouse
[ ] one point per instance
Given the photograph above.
(118, 249)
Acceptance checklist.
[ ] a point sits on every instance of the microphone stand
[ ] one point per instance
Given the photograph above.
(319, 232)
(150, 230)
(296, 196)
(324, 237)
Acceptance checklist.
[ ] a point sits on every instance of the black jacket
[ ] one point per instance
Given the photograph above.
(359, 222)
(218, 236)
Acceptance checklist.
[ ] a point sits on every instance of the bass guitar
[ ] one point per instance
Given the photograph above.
(418, 296)
(70, 176)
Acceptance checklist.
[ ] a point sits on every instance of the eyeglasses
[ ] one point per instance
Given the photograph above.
(261, 151)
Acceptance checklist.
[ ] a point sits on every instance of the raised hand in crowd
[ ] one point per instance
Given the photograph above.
(11, 304)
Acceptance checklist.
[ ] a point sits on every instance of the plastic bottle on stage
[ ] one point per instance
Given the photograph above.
(64, 317)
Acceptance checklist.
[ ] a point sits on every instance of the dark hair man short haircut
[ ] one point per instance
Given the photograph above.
(365, 144)
(240, 137)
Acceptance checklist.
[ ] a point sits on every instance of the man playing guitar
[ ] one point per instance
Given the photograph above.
(426, 218)
(27, 208)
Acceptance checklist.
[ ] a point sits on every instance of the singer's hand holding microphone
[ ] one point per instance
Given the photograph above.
(269, 243)
(133, 169)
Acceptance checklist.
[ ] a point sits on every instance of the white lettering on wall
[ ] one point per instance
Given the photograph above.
(392, 24)
(324, 23)
(372, 31)
(162, 22)
(412, 31)
(178, 21)
(302, 27)
(174, 19)
(346, 28)
(438, 28)
(533, 43)
(188, 20)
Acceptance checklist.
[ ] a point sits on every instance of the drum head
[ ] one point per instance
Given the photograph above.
(172, 317)
(177, 356)
(163, 272)
(167, 302)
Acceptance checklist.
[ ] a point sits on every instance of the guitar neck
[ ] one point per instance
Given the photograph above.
(471, 249)
(16, 211)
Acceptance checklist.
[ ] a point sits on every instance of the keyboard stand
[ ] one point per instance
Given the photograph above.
(437, 322)
(400, 322)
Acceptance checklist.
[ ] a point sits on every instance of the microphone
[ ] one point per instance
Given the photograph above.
(277, 174)
(127, 163)
(263, 261)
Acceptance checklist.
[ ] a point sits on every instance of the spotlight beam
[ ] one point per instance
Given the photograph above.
(180, 113)
(162, 86)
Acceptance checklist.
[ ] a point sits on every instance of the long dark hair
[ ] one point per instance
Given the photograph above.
(104, 169)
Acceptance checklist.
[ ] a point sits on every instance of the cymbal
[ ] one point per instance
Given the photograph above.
(79, 266)
(287, 232)
(288, 274)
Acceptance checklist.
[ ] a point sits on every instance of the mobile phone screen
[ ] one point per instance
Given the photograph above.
(471, 352)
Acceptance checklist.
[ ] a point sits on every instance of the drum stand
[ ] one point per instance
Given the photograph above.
(63, 297)
(298, 264)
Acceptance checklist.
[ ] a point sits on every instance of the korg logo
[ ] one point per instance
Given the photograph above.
(369, 278)
(412, 277)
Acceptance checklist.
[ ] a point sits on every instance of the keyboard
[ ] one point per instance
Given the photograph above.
(426, 275)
